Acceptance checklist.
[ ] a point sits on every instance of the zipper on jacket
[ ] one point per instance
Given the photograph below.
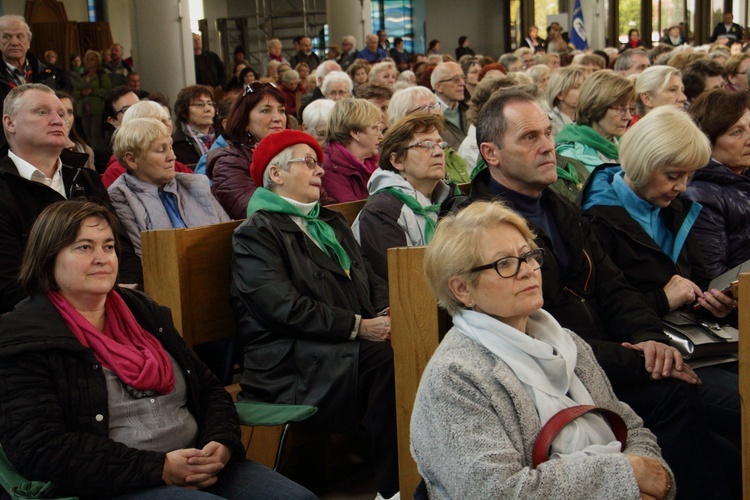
(565, 288)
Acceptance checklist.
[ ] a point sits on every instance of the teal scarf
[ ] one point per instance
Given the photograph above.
(321, 232)
(589, 137)
(417, 208)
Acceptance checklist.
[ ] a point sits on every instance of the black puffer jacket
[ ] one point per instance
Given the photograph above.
(592, 297)
(21, 202)
(54, 422)
(296, 308)
(723, 227)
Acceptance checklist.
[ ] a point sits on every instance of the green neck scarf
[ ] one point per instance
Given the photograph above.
(417, 208)
(321, 232)
(568, 173)
(588, 136)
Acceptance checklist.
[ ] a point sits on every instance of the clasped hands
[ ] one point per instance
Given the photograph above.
(664, 361)
(194, 468)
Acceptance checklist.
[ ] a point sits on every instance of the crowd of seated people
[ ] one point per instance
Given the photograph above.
(625, 190)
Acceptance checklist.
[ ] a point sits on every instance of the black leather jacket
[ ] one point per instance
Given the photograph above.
(296, 308)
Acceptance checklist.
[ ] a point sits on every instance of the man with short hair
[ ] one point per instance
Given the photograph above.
(305, 55)
(701, 76)
(463, 48)
(632, 62)
(587, 293)
(117, 69)
(727, 29)
(399, 55)
(348, 52)
(383, 40)
(372, 52)
(134, 84)
(32, 177)
(320, 74)
(448, 83)
(209, 70)
(20, 66)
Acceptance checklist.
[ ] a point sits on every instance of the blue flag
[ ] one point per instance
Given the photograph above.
(578, 32)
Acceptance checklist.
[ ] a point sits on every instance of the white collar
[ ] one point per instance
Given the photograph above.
(31, 173)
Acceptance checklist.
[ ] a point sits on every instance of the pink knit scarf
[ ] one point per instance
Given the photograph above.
(138, 359)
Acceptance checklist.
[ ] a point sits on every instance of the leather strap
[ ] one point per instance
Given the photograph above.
(555, 424)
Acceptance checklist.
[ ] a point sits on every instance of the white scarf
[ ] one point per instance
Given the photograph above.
(544, 360)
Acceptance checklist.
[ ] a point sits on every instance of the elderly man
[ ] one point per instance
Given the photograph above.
(209, 70)
(587, 293)
(134, 84)
(320, 74)
(348, 52)
(632, 62)
(372, 52)
(20, 65)
(32, 176)
(448, 82)
(117, 69)
(305, 55)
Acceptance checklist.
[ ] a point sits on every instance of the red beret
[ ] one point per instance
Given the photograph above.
(273, 144)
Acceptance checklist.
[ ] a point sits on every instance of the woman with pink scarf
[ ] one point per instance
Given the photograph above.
(101, 397)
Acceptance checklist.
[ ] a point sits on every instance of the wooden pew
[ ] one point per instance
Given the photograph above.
(350, 210)
(417, 326)
(744, 362)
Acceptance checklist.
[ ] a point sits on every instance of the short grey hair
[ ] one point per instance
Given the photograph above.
(625, 60)
(653, 80)
(336, 76)
(273, 42)
(289, 76)
(665, 136)
(508, 59)
(14, 18)
(441, 71)
(317, 112)
(324, 68)
(350, 39)
(402, 102)
(491, 124)
(281, 160)
(11, 102)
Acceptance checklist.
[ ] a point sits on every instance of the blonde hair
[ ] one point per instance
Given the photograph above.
(666, 136)
(601, 91)
(379, 68)
(351, 115)
(652, 81)
(136, 136)
(455, 249)
(561, 80)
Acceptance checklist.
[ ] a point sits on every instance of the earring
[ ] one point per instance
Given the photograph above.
(471, 305)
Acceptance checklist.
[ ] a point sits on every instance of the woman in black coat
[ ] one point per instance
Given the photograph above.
(100, 396)
(313, 315)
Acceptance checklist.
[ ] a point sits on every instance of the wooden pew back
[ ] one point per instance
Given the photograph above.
(744, 362)
(350, 210)
(188, 270)
(417, 326)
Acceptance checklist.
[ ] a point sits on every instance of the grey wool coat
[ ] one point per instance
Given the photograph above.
(474, 425)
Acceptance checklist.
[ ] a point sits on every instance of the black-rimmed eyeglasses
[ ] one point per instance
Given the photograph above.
(507, 267)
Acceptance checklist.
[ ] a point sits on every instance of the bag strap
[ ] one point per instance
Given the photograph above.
(555, 424)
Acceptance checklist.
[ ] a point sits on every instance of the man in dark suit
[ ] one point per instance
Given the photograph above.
(731, 30)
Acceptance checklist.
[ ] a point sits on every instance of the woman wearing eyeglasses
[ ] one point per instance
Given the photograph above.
(312, 313)
(420, 100)
(504, 369)
(605, 107)
(351, 155)
(194, 133)
(407, 192)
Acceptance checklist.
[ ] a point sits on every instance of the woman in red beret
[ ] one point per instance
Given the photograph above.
(313, 315)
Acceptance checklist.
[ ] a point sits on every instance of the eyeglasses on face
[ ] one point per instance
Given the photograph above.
(338, 93)
(453, 79)
(507, 267)
(309, 161)
(122, 110)
(426, 108)
(429, 145)
(203, 104)
(255, 87)
(621, 110)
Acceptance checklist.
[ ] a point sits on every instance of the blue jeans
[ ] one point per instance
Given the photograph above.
(238, 481)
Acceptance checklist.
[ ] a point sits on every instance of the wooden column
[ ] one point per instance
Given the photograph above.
(744, 354)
